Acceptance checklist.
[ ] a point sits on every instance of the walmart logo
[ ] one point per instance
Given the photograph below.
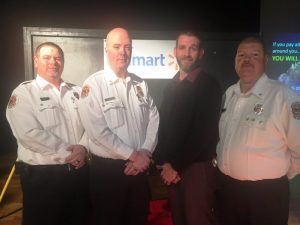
(148, 61)
(173, 62)
(159, 60)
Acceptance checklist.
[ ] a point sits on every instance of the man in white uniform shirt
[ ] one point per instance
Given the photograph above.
(52, 145)
(121, 121)
(259, 147)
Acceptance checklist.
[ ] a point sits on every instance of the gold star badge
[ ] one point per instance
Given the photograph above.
(258, 109)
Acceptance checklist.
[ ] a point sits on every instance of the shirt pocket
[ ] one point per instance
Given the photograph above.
(258, 122)
(114, 113)
(256, 135)
(48, 114)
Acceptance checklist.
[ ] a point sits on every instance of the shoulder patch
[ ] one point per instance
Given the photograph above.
(85, 91)
(139, 91)
(12, 102)
(296, 110)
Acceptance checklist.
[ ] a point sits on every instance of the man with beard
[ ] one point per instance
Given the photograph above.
(259, 146)
(188, 135)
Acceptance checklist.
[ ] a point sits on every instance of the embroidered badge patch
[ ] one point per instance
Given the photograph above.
(258, 109)
(85, 91)
(139, 92)
(296, 110)
(12, 101)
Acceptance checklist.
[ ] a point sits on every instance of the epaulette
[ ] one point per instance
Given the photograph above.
(27, 82)
(71, 85)
(135, 78)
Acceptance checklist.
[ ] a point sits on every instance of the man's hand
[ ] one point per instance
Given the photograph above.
(130, 170)
(140, 159)
(168, 174)
(77, 157)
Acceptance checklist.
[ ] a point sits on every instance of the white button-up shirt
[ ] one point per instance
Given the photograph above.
(260, 132)
(45, 121)
(119, 115)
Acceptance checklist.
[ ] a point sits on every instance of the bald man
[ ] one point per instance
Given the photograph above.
(121, 121)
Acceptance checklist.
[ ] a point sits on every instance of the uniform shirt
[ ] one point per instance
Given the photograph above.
(259, 132)
(119, 116)
(45, 121)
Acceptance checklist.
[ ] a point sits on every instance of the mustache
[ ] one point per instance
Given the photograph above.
(187, 58)
(247, 64)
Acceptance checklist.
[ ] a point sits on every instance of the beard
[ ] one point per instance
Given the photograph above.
(187, 64)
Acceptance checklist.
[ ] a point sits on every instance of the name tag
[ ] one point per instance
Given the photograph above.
(109, 99)
(44, 98)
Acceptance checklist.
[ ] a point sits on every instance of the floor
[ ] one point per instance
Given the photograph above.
(11, 205)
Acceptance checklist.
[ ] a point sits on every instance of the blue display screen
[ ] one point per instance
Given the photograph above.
(284, 60)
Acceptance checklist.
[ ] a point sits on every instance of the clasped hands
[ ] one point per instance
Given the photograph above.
(168, 174)
(77, 157)
(139, 162)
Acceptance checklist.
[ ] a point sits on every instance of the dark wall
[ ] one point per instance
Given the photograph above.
(280, 16)
(217, 16)
(277, 19)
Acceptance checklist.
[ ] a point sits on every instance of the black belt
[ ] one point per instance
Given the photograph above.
(21, 167)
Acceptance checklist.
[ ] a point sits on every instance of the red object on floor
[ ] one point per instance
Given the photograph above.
(160, 213)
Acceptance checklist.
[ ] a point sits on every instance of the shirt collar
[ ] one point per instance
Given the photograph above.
(44, 84)
(112, 78)
(191, 76)
(259, 88)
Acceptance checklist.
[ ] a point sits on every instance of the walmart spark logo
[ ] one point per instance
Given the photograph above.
(172, 61)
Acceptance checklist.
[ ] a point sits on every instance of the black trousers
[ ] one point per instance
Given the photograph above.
(263, 202)
(117, 199)
(192, 199)
(54, 194)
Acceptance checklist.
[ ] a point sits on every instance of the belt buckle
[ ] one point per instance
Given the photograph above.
(214, 162)
(70, 167)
